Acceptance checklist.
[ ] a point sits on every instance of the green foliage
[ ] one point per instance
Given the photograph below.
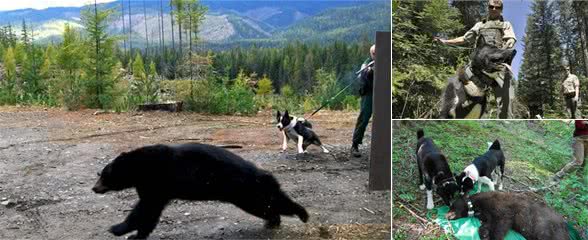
(439, 17)
(144, 87)
(294, 64)
(351, 103)
(534, 151)
(139, 68)
(542, 71)
(264, 86)
(100, 78)
(571, 199)
(421, 67)
(327, 87)
(416, 91)
(211, 96)
(66, 86)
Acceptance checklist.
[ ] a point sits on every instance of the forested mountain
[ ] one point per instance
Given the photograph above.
(226, 23)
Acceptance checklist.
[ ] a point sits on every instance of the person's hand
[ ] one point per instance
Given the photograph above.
(510, 43)
(440, 40)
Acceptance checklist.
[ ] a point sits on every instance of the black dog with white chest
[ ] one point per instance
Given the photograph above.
(198, 172)
(481, 170)
(299, 130)
(501, 211)
(434, 171)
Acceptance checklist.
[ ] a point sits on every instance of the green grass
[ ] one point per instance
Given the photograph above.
(534, 151)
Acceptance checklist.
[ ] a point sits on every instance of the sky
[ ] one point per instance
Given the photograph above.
(516, 12)
(42, 4)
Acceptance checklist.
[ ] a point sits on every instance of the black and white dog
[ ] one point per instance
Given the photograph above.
(434, 170)
(481, 170)
(298, 129)
(462, 98)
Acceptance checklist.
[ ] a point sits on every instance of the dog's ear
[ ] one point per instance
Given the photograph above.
(286, 115)
(278, 114)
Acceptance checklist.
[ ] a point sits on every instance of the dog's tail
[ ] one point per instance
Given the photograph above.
(495, 145)
(420, 133)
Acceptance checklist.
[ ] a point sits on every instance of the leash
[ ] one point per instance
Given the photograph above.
(331, 99)
(457, 47)
(451, 46)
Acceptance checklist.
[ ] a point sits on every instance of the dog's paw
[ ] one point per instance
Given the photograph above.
(422, 187)
(305, 152)
(430, 205)
(325, 151)
(500, 187)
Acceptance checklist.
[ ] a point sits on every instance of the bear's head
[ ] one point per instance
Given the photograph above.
(116, 176)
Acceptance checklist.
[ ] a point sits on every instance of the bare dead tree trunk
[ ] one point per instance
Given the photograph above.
(171, 14)
(146, 32)
(162, 25)
(190, 32)
(98, 92)
(122, 5)
(130, 31)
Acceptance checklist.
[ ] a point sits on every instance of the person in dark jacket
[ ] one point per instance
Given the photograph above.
(366, 79)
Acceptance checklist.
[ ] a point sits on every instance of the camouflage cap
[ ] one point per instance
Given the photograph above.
(495, 3)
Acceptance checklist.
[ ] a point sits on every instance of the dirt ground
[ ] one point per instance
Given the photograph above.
(49, 159)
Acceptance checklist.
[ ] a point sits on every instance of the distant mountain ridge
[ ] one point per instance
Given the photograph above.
(227, 22)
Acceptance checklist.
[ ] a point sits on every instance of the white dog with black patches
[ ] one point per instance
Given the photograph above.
(299, 130)
(480, 171)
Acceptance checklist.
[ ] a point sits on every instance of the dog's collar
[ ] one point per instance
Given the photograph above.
(470, 208)
(447, 182)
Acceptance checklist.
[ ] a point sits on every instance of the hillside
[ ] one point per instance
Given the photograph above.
(227, 23)
(534, 151)
(345, 23)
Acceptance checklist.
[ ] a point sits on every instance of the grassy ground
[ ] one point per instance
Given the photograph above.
(534, 151)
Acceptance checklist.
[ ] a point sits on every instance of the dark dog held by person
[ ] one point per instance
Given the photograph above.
(465, 96)
(434, 170)
(501, 211)
(481, 170)
(299, 130)
(199, 172)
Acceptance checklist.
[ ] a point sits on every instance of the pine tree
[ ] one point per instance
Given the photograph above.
(568, 32)
(49, 67)
(582, 15)
(541, 71)
(152, 84)
(9, 61)
(471, 11)
(264, 86)
(101, 78)
(139, 68)
(179, 6)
